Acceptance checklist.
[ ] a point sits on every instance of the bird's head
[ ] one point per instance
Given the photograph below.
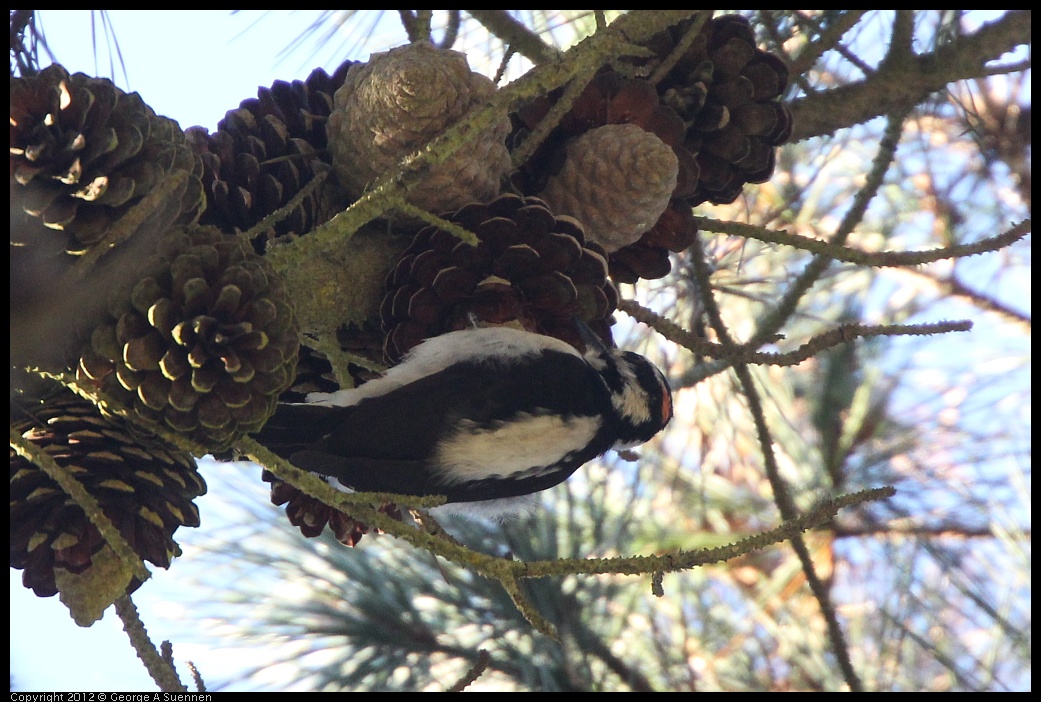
(640, 394)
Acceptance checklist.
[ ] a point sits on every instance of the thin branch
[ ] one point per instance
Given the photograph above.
(200, 684)
(771, 323)
(162, 671)
(153, 204)
(878, 259)
(897, 530)
(820, 591)
(476, 671)
(827, 39)
(900, 85)
(451, 30)
(532, 615)
(1006, 68)
(658, 583)
(782, 498)
(516, 35)
(461, 233)
(744, 353)
(628, 671)
(901, 40)
(953, 286)
(361, 507)
(839, 48)
(685, 560)
(680, 50)
(556, 112)
(281, 213)
(416, 24)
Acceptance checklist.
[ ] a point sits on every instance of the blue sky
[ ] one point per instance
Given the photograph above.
(192, 66)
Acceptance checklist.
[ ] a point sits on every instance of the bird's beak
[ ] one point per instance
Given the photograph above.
(589, 337)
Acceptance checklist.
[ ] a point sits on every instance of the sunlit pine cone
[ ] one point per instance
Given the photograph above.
(311, 515)
(203, 344)
(611, 99)
(726, 89)
(144, 487)
(93, 171)
(400, 101)
(83, 153)
(530, 269)
(265, 152)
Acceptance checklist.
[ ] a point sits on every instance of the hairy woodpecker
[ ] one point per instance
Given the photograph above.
(477, 415)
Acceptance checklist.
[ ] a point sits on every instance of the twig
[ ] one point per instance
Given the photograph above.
(162, 671)
(879, 259)
(476, 671)
(516, 35)
(771, 323)
(745, 353)
(416, 24)
(900, 85)
(782, 498)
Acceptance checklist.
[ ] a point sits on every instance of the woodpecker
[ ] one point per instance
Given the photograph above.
(477, 415)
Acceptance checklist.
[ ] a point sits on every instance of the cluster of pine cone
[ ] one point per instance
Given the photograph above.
(140, 254)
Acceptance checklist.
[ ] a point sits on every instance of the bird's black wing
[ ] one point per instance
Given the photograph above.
(386, 443)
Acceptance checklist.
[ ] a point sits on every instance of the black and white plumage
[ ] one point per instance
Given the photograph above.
(477, 415)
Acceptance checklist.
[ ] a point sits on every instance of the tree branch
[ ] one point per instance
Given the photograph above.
(901, 84)
(515, 35)
(880, 259)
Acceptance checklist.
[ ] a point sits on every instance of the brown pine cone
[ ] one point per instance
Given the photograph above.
(311, 515)
(265, 152)
(610, 99)
(96, 178)
(617, 180)
(83, 153)
(725, 89)
(396, 104)
(144, 487)
(530, 269)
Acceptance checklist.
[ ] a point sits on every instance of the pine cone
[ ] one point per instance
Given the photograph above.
(83, 153)
(617, 180)
(204, 343)
(144, 487)
(610, 99)
(311, 515)
(265, 152)
(529, 269)
(397, 103)
(84, 158)
(726, 90)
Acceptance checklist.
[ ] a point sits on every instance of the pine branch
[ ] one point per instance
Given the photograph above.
(878, 259)
(161, 670)
(780, 490)
(516, 35)
(899, 85)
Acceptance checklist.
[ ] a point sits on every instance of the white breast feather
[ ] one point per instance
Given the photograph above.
(518, 448)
